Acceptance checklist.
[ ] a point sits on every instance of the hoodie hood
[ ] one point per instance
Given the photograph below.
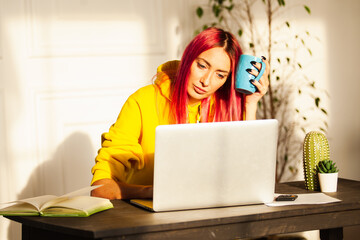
(165, 76)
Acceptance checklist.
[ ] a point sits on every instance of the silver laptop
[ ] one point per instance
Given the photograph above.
(213, 165)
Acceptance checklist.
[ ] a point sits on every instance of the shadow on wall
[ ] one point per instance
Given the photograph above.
(76, 158)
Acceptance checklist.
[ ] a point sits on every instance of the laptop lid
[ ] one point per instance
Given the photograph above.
(214, 164)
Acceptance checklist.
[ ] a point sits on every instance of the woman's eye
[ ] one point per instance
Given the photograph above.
(201, 66)
(220, 76)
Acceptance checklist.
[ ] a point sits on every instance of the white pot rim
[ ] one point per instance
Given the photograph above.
(329, 173)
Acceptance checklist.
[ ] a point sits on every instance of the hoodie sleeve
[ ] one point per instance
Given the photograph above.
(121, 152)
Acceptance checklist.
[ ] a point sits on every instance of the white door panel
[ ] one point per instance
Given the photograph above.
(66, 68)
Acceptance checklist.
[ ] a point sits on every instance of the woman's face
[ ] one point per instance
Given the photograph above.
(208, 73)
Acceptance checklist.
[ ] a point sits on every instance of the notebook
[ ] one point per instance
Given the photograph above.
(213, 165)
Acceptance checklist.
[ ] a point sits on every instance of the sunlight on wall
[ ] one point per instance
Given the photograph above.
(68, 68)
(90, 28)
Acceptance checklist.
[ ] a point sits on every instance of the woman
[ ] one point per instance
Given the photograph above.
(199, 88)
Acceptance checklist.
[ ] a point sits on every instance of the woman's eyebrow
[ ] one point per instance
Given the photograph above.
(223, 71)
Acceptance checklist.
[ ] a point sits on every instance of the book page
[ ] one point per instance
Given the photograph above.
(85, 204)
(82, 202)
(37, 202)
(42, 202)
(82, 191)
(20, 209)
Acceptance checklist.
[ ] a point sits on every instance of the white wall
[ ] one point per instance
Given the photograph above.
(343, 35)
(67, 66)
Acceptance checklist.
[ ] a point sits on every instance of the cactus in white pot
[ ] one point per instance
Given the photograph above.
(328, 175)
(327, 166)
(316, 148)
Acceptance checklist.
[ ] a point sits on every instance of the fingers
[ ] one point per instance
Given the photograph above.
(258, 66)
(267, 69)
(263, 84)
(261, 87)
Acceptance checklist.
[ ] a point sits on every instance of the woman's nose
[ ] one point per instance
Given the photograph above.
(205, 79)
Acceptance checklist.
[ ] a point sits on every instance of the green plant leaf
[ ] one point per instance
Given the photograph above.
(310, 52)
(323, 130)
(317, 101)
(216, 10)
(287, 24)
(240, 32)
(251, 45)
(307, 9)
(229, 8)
(199, 12)
(324, 111)
(281, 2)
(328, 165)
(300, 66)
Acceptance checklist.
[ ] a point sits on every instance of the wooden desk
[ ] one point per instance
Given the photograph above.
(129, 222)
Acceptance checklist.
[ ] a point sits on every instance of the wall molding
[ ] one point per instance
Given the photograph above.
(90, 27)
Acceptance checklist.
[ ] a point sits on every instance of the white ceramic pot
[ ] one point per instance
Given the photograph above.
(328, 182)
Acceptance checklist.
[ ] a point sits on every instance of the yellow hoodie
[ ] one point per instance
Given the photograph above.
(127, 152)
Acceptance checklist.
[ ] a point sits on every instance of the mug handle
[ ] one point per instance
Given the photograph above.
(262, 70)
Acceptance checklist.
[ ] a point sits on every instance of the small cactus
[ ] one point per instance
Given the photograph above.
(315, 149)
(327, 166)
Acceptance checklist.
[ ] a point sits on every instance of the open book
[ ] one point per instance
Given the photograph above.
(74, 204)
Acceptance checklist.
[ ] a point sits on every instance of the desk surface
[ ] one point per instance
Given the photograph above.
(130, 222)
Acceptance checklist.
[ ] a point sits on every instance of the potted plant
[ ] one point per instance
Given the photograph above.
(262, 27)
(328, 175)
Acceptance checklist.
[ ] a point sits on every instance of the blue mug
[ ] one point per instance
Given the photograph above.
(243, 78)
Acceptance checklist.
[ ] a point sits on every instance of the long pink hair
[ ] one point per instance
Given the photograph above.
(228, 102)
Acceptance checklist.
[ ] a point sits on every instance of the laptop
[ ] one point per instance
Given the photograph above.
(210, 165)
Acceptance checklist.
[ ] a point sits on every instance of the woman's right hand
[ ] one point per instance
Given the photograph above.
(112, 189)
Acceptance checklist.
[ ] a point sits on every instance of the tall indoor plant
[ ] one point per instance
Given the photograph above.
(287, 81)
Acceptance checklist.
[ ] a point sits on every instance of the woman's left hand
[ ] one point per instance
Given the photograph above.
(262, 86)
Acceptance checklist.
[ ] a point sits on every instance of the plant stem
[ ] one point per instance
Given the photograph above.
(251, 28)
(269, 10)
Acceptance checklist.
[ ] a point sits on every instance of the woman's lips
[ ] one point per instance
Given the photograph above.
(199, 90)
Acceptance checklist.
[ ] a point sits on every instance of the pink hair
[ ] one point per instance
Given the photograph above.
(228, 102)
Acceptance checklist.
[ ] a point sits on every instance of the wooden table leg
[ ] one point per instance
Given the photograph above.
(331, 234)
